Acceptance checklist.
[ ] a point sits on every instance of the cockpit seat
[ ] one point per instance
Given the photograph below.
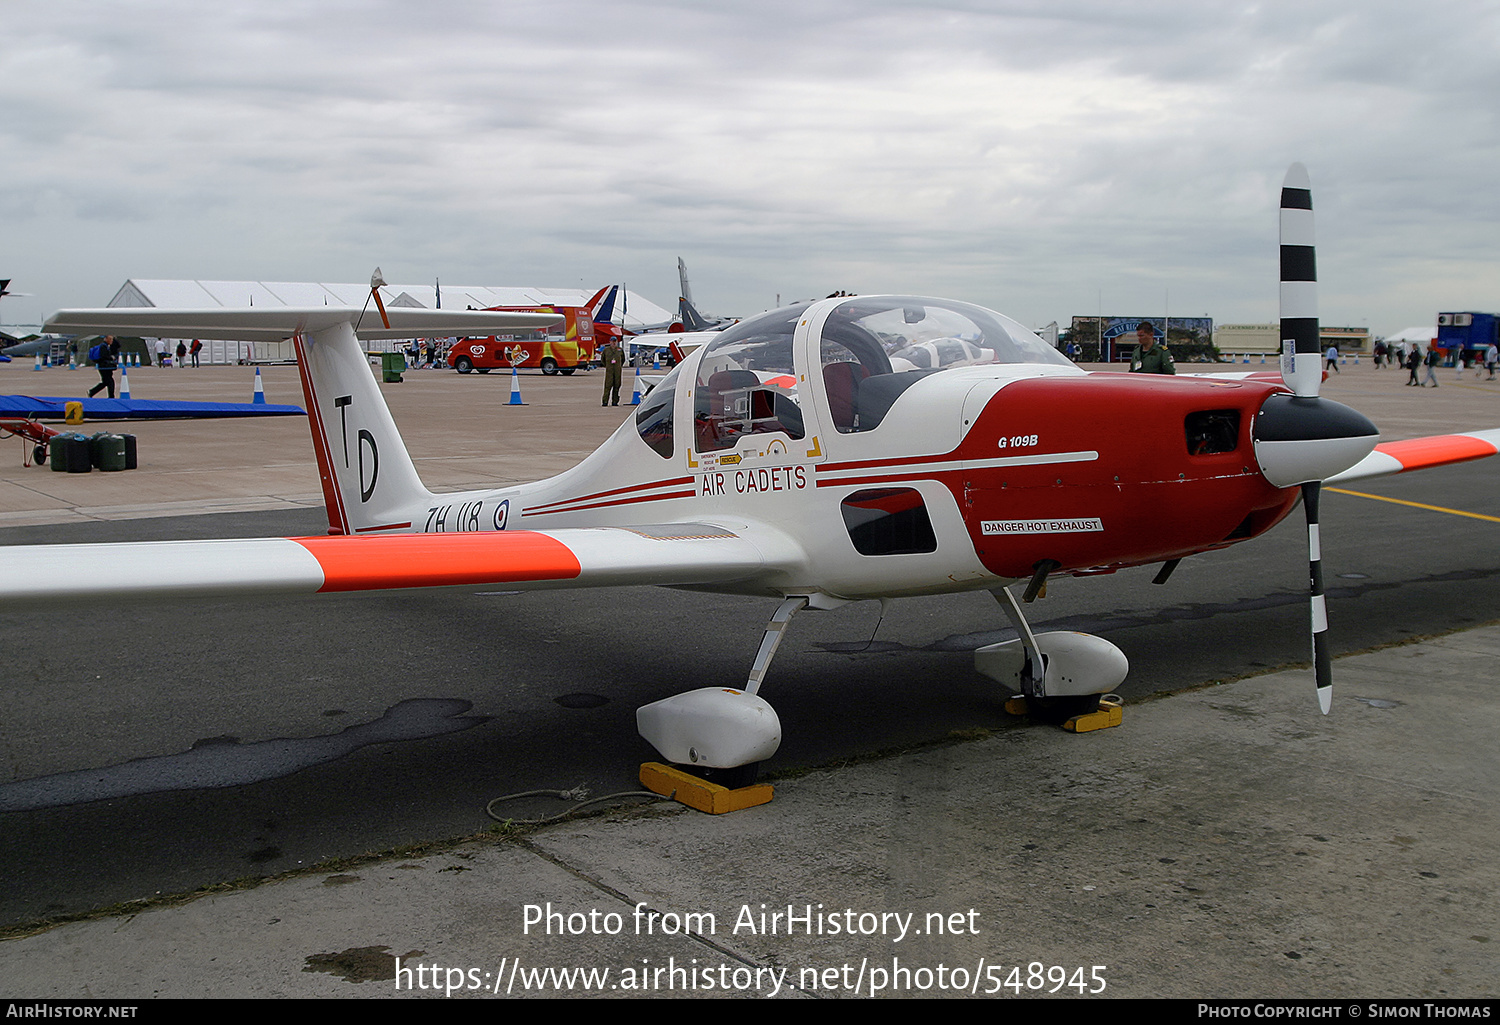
(841, 381)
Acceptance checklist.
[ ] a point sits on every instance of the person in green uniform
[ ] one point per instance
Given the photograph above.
(613, 359)
(1150, 358)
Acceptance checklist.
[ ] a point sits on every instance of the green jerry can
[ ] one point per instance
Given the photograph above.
(107, 451)
(69, 453)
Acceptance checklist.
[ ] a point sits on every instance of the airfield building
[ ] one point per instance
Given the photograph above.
(1263, 339)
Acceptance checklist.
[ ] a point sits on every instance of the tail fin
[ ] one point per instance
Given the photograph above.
(602, 305)
(692, 320)
(369, 480)
(682, 279)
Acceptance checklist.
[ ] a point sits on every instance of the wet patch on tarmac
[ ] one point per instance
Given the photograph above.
(359, 964)
(216, 762)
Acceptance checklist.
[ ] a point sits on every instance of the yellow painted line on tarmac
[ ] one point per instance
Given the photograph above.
(1417, 505)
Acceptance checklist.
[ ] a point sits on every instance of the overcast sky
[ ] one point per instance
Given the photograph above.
(1043, 158)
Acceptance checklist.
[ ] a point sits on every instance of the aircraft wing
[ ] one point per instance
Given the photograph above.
(1420, 454)
(275, 323)
(678, 553)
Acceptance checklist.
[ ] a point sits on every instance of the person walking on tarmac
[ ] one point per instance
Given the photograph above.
(1150, 358)
(106, 356)
(613, 359)
(1413, 362)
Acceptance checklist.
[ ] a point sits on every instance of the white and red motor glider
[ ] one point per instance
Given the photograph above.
(789, 458)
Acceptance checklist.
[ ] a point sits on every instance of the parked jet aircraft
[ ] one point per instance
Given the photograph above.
(789, 458)
(41, 346)
(693, 321)
(687, 313)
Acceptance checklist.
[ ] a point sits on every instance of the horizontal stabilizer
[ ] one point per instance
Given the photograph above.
(1421, 454)
(276, 323)
(572, 557)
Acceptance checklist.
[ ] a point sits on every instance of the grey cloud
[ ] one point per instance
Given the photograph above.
(1024, 153)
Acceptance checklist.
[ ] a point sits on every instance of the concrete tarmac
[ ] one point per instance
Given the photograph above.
(1225, 842)
(1222, 843)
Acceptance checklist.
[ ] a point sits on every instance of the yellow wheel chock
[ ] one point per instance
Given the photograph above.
(700, 794)
(1109, 714)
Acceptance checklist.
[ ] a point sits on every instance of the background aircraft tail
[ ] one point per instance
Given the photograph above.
(602, 313)
(602, 306)
(692, 320)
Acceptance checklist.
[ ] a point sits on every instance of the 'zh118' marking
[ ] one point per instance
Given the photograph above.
(442, 519)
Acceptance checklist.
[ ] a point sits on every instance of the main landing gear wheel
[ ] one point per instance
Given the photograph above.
(721, 734)
(1060, 675)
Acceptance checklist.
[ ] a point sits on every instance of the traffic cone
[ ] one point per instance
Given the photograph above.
(38, 364)
(125, 383)
(1247, 358)
(515, 387)
(655, 359)
(635, 399)
(259, 398)
(1262, 359)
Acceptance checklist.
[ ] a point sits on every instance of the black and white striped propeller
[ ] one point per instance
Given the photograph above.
(1302, 439)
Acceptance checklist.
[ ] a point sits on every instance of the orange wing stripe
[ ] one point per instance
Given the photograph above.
(1448, 448)
(364, 563)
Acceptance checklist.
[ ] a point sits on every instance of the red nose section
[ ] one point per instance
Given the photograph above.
(1114, 470)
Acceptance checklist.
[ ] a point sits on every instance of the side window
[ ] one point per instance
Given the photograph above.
(654, 419)
(747, 383)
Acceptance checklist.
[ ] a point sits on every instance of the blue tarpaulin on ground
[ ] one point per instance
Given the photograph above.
(45, 407)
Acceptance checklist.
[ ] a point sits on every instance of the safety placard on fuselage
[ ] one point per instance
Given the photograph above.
(1074, 526)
